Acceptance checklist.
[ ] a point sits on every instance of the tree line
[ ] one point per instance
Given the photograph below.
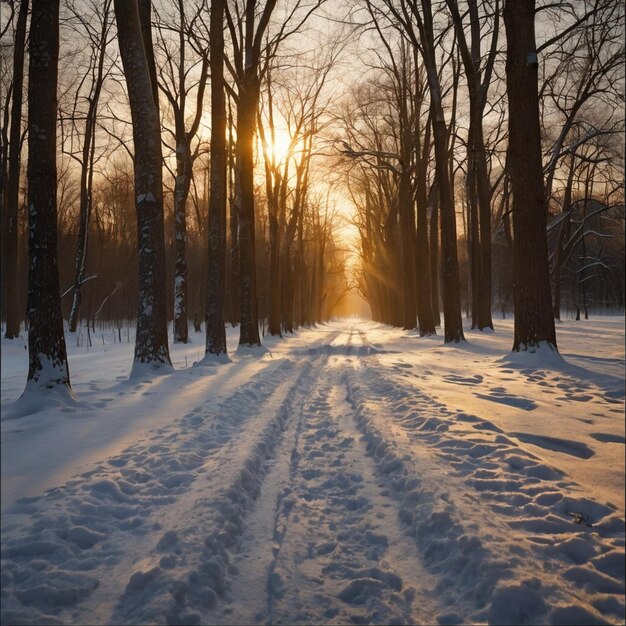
(431, 147)
(485, 168)
(114, 217)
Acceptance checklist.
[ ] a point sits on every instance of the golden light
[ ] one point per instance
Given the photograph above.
(279, 147)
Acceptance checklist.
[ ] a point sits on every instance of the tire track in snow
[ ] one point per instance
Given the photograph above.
(332, 548)
(77, 538)
(256, 552)
(175, 517)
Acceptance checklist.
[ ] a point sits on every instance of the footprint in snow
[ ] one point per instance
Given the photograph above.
(608, 438)
(556, 444)
(464, 380)
(500, 396)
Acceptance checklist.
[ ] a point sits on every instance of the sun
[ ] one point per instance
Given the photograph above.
(279, 148)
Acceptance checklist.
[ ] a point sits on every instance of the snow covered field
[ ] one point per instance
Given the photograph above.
(354, 473)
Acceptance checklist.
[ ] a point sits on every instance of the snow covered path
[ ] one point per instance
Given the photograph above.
(356, 475)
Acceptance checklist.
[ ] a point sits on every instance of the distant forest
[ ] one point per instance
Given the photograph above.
(255, 163)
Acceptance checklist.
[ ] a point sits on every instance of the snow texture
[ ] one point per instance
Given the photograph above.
(350, 473)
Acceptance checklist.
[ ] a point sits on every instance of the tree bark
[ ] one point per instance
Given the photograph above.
(13, 316)
(145, 22)
(233, 221)
(151, 346)
(47, 354)
(475, 258)
(483, 188)
(215, 329)
(181, 192)
(425, 317)
(407, 242)
(453, 323)
(246, 124)
(534, 321)
(434, 254)
(275, 290)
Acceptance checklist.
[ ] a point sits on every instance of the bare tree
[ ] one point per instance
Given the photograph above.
(151, 346)
(414, 19)
(478, 73)
(248, 27)
(534, 322)
(292, 108)
(47, 367)
(182, 54)
(96, 27)
(11, 197)
(580, 109)
(215, 330)
(247, 38)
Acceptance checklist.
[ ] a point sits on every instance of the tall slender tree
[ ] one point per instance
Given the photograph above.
(11, 198)
(415, 20)
(534, 322)
(98, 35)
(182, 51)
(478, 73)
(248, 25)
(151, 347)
(247, 59)
(450, 287)
(47, 367)
(215, 329)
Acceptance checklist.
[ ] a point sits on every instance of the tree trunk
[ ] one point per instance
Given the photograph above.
(181, 192)
(151, 346)
(145, 22)
(562, 237)
(425, 318)
(534, 321)
(4, 177)
(434, 254)
(47, 354)
(246, 124)
(479, 199)
(478, 60)
(13, 316)
(475, 258)
(275, 306)
(484, 210)
(233, 187)
(86, 180)
(407, 242)
(288, 296)
(215, 330)
(453, 323)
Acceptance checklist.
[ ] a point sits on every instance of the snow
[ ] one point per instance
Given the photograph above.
(147, 197)
(350, 473)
